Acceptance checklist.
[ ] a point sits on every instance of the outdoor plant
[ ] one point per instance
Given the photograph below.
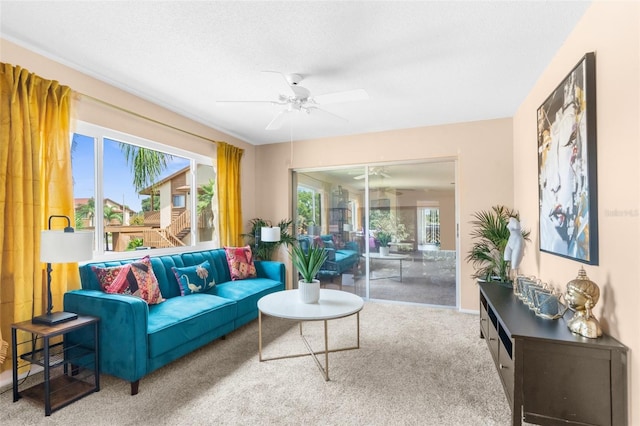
(388, 226)
(490, 235)
(308, 263)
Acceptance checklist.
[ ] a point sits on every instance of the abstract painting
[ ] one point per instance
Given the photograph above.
(567, 166)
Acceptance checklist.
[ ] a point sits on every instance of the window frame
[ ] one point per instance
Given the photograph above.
(98, 134)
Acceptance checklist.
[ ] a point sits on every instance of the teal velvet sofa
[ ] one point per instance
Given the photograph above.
(339, 260)
(137, 338)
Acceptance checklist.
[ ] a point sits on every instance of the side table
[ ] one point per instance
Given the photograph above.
(70, 371)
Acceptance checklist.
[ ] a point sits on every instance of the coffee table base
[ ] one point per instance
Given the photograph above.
(324, 370)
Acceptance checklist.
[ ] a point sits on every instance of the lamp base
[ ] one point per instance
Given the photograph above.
(54, 318)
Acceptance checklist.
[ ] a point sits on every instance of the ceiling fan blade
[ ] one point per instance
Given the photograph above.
(277, 121)
(283, 79)
(223, 103)
(346, 96)
(319, 111)
(383, 174)
(359, 177)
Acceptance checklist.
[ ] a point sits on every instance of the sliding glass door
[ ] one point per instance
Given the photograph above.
(383, 229)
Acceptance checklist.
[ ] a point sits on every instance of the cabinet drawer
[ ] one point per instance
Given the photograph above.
(484, 322)
(492, 341)
(505, 368)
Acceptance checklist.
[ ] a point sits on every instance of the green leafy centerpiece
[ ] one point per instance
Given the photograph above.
(308, 264)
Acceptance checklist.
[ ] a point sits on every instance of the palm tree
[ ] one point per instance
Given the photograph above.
(146, 165)
(85, 211)
(205, 196)
(110, 214)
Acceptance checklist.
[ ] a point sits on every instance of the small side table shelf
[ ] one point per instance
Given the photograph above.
(70, 371)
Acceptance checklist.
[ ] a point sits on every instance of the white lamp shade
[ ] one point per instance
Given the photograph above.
(65, 247)
(270, 235)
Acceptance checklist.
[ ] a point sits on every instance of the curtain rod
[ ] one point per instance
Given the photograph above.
(144, 117)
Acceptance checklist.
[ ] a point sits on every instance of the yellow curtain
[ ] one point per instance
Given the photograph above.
(35, 182)
(230, 206)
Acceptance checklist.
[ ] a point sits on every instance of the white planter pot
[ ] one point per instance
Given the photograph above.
(309, 292)
(384, 251)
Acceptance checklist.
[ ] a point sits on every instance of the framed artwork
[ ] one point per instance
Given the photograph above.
(567, 184)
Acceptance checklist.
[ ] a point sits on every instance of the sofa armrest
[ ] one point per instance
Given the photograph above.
(331, 254)
(271, 269)
(123, 330)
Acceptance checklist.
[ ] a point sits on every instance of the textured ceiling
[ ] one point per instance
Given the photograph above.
(422, 63)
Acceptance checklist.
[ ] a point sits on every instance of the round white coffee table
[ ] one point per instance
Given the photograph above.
(333, 304)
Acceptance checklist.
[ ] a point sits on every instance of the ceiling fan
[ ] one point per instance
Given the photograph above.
(298, 98)
(374, 171)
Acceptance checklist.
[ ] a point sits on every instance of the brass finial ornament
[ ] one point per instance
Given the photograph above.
(582, 295)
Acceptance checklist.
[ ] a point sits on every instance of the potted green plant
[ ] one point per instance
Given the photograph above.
(490, 235)
(308, 264)
(384, 238)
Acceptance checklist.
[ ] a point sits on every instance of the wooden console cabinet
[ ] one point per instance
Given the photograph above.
(550, 375)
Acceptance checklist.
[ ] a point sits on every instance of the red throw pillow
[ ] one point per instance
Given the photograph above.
(240, 262)
(136, 278)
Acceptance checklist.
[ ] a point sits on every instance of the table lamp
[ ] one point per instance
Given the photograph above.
(270, 234)
(62, 246)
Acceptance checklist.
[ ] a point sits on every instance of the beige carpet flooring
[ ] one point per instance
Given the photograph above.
(416, 366)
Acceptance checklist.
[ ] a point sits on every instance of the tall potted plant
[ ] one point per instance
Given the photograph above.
(491, 235)
(308, 264)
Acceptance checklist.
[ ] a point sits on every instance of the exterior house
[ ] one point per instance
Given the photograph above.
(86, 217)
(169, 226)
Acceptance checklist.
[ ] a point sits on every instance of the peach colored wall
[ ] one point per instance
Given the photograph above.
(97, 113)
(612, 31)
(484, 151)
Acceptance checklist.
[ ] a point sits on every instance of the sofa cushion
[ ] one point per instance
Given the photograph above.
(240, 260)
(181, 319)
(246, 293)
(194, 279)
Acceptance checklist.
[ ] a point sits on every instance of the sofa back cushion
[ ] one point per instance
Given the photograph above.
(162, 268)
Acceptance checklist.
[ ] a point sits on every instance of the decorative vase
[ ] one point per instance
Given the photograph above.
(309, 292)
(384, 251)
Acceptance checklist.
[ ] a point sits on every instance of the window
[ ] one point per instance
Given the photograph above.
(429, 224)
(137, 193)
(309, 211)
(179, 201)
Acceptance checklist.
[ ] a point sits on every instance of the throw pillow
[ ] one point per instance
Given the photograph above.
(111, 276)
(193, 279)
(136, 278)
(240, 262)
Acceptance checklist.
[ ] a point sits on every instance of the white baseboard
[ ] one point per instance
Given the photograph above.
(6, 377)
(470, 311)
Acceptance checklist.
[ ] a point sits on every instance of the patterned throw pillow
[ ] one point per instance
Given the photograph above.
(240, 262)
(111, 276)
(136, 279)
(194, 279)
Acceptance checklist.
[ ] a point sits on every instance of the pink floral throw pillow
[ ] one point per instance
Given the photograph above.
(136, 278)
(240, 262)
